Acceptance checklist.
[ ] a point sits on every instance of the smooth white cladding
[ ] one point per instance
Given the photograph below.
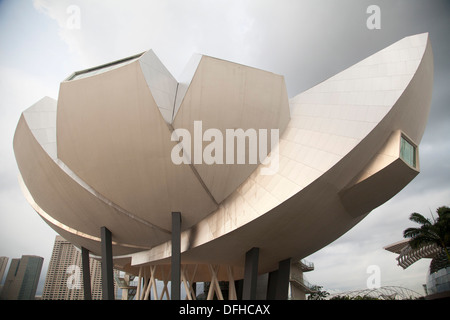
(161, 83)
(335, 130)
(330, 119)
(41, 119)
(185, 80)
(228, 96)
(115, 145)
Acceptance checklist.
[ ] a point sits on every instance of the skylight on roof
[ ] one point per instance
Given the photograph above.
(103, 68)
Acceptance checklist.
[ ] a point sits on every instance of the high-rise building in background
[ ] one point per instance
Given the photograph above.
(3, 264)
(22, 279)
(64, 280)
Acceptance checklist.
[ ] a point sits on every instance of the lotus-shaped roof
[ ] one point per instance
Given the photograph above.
(103, 154)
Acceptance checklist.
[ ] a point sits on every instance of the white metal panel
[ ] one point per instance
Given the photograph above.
(184, 80)
(161, 83)
(225, 95)
(116, 142)
(289, 220)
(41, 119)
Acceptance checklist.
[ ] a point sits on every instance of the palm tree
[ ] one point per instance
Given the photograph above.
(430, 232)
(317, 293)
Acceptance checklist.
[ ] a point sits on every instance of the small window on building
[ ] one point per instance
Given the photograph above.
(408, 152)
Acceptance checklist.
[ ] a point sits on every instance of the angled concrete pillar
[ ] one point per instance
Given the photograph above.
(107, 265)
(86, 274)
(176, 257)
(282, 282)
(250, 274)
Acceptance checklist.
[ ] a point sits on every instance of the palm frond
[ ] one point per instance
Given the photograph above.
(443, 212)
(430, 232)
(411, 232)
(420, 241)
(420, 219)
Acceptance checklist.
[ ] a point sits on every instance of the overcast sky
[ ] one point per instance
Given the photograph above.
(44, 41)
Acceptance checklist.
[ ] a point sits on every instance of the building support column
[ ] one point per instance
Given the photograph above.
(86, 273)
(239, 285)
(272, 285)
(250, 274)
(283, 274)
(107, 265)
(176, 257)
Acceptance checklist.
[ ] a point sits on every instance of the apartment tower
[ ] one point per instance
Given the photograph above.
(64, 279)
(22, 279)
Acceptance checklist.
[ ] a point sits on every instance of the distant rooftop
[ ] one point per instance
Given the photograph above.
(407, 255)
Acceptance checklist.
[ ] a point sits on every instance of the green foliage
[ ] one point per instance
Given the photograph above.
(435, 231)
(318, 293)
